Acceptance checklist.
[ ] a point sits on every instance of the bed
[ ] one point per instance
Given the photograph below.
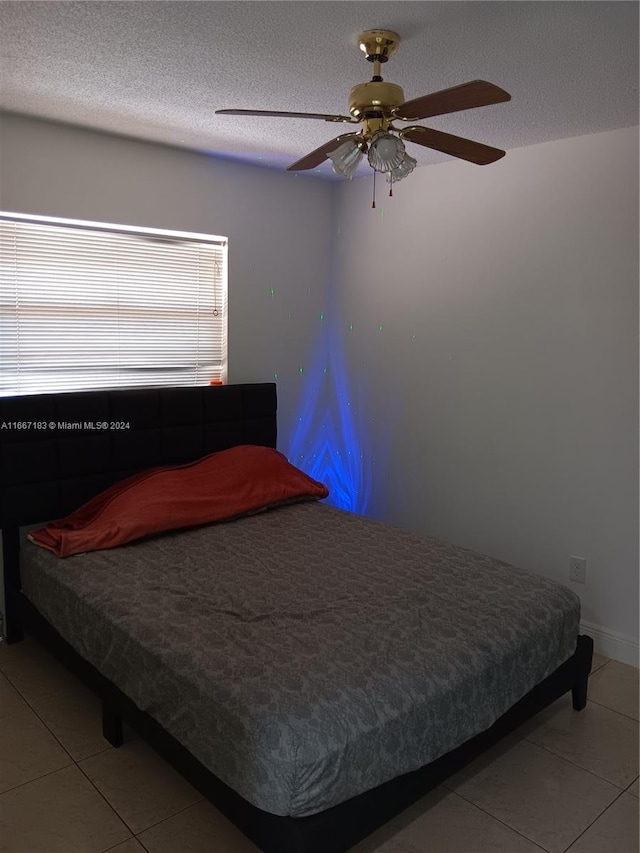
(309, 719)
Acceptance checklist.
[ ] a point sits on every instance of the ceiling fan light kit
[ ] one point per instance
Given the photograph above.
(386, 151)
(405, 168)
(346, 157)
(377, 104)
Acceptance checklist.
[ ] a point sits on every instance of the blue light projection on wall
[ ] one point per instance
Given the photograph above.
(325, 441)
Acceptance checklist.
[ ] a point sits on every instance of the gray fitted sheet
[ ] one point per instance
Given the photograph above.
(306, 655)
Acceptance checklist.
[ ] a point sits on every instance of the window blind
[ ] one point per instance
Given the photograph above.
(89, 306)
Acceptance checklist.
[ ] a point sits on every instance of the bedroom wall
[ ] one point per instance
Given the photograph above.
(277, 225)
(488, 319)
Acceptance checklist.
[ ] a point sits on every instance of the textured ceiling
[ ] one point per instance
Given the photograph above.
(159, 70)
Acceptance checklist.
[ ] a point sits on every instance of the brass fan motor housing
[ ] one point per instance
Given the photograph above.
(375, 97)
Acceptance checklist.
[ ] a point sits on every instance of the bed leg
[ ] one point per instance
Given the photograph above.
(579, 694)
(13, 631)
(584, 655)
(111, 725)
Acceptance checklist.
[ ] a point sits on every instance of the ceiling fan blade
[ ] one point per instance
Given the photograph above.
(456, 146)
(279, 114)
(478, 93)
(319, 155)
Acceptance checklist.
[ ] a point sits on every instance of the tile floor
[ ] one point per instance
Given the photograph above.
(564, 782)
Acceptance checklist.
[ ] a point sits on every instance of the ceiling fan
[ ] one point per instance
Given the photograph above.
(377, 105)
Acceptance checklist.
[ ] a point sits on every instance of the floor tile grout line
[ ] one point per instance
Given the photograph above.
(111, 807)
(619, 790)
(587, 828)
(171, 816)
(539, 715)
(117, 813)
(622, 714)
(37, 778)
(573, 764)
(579, 766)
(133, 838)
(114, 846)
(508, 826)
(49, 729)
(92, 783)
(617, 662)
(44, 723)
(93, 754)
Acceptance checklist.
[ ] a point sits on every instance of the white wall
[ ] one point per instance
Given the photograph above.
(277, 225)
(501, 396)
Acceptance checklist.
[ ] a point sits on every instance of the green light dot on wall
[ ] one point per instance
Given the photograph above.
(351, 327)
(382, 211)
(413, 337)
(380, 327)
(322, 316)
(275, 375)
(301, 370)
(324, 370)
(272, 291)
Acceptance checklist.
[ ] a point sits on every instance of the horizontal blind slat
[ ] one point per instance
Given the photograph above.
(83, 308)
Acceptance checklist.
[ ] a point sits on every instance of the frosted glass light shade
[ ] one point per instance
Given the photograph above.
(405, 168)
(386, 152)
(345, 158)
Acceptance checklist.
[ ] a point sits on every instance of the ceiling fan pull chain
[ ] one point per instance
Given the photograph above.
(390, 184)
(373, 204)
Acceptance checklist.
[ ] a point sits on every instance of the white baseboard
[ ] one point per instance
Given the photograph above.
(611, 644)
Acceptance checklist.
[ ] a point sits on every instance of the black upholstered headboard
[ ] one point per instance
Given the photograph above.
(59, 450)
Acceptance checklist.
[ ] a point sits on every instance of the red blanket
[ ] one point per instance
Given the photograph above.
(218, 487)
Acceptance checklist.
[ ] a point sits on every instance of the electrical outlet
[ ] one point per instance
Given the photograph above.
(578, 569)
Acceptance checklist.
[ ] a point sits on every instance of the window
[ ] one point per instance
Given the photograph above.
(86, 305)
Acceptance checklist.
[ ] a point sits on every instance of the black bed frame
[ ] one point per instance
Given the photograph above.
(59, 450)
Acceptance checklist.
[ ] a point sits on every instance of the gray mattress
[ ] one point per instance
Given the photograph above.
(306, 655)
